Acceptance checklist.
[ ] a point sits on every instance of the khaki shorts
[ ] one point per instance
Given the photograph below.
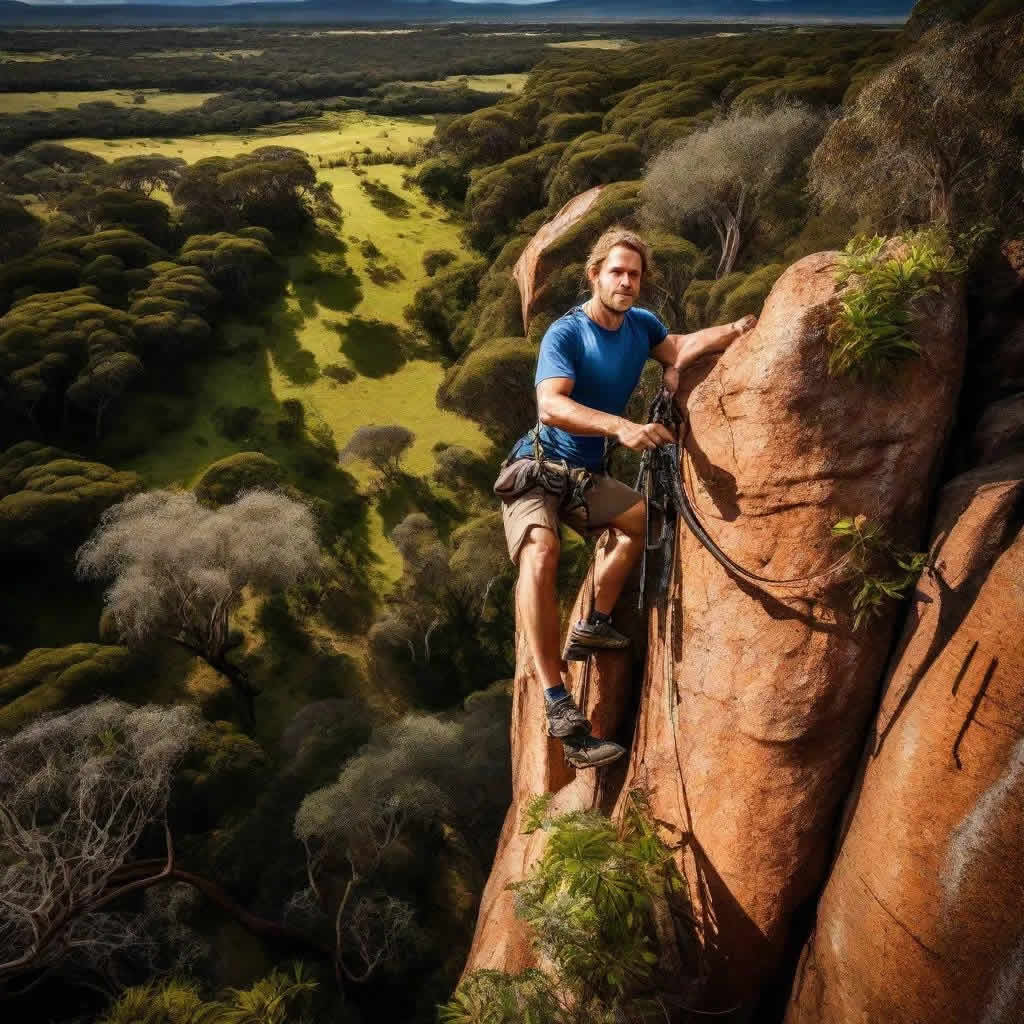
(606, 498)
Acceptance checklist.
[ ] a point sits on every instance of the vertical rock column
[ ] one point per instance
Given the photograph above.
(921, 920)
(756, 698)
(501, 941)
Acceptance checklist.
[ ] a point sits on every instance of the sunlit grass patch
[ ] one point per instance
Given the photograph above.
(592, 44)
(164, 102)
(334, 135)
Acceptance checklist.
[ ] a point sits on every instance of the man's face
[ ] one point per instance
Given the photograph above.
(617, 283)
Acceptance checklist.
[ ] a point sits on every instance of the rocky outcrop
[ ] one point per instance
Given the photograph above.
(530, 271)
(920, 921)
(755, 699)
(604, 692)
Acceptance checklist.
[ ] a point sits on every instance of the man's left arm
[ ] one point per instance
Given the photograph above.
(678, 351)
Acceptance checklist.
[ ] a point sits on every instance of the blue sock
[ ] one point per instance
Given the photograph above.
(555, 692)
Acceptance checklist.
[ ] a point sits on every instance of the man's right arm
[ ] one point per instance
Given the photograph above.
(557, 409)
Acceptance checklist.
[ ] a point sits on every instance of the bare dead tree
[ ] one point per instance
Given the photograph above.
(179, 568)
(721, 173)
(77, 789)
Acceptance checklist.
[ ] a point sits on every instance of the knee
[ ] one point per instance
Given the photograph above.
(540, 553)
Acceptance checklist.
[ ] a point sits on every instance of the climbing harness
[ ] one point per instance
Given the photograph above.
(569, 483)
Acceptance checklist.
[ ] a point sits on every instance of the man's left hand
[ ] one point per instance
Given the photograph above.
(670, 380)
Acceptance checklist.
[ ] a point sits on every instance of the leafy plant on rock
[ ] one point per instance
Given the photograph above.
(870, 334)
(593, 901)
(880, 570)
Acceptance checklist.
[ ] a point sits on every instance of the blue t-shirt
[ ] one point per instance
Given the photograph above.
(606, 366)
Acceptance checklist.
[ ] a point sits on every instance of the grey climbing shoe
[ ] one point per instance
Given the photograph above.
(565, 718)
(587, 637)
(591, 751)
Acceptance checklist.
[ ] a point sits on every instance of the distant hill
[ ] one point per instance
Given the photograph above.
(203, 11)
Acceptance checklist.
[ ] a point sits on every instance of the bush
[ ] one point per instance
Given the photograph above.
(223, 480)
(592, 901)
(869, 334)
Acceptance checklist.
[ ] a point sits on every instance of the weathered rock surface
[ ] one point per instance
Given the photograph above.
(755, 699)
(920, 922)
(501, 941)
(530, 271)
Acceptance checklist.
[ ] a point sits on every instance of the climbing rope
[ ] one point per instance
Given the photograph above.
(660, 467)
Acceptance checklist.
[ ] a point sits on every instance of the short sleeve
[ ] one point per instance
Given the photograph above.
(558, 352)
(657, 332)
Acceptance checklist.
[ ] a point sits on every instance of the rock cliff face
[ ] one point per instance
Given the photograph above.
(755, 700)
(539, 766)
(921, 917)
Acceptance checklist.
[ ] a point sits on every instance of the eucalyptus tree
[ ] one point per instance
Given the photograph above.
(178, 568)
(723, 174)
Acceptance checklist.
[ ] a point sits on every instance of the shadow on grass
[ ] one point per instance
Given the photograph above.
(320, 275)
(375, 348)
(406, 494)
(281, 332)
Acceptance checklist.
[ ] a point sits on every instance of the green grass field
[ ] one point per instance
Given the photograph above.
(328, 317)
(331, 136)
(592, 44)
(164, 102)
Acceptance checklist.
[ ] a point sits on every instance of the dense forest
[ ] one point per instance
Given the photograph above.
(258, 629)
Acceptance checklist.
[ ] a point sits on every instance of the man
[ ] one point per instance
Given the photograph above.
(595, 354)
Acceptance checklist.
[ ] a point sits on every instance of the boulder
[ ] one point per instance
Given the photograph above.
(920, 921)
(529, 270)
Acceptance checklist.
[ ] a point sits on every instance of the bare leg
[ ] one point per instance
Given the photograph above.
(624, 546)
(537, 602)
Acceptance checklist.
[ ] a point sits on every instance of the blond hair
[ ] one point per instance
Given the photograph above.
(619, 235)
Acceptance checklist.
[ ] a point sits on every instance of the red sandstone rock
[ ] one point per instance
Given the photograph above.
(501, 941)
(529, 270)
(921, 921)
(756, 698)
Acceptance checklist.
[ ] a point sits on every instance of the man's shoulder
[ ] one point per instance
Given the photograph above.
(641, 313)
(568, 323)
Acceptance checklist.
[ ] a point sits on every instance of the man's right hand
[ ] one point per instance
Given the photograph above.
(642, 436)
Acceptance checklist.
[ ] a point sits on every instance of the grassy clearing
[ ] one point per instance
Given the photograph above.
(389, 388)
(31, 58)
(513, 82)
(593, 44)
(164, 102)
(334, 313)
(199, 52)
(331, 136)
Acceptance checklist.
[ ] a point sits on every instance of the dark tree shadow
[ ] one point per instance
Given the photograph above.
(404, 494)
(375, 348)
(321, 276)
(297, 363)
